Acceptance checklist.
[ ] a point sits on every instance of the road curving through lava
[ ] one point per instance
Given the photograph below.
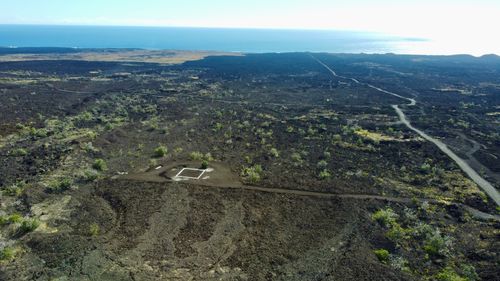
(486, 186)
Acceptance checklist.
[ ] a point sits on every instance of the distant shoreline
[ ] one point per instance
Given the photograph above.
(106, 55)
(14, 53)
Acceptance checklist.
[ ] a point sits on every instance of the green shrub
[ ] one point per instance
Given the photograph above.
(252, 174)
(208, 157)
(28, 225)
(469, 272)
(100, 165)
(20, 126)
(437, 245)
(16, 189)
(195, 155)
(382, 255)
(258, 168)
(422, 231)
(327, 154)
(90, 175)
(60, 185)
(160, 151)
(7, 254)
(248, 159)
(322, 164)
(397, 233)
(204, 164)
(94, 229)
(448, 274)
(218, 127)
(425, 168)
(324, 174)
(89, 147)
(296, 158)
(386, 217)
(399, 263)
(13, 191)
(274, 152)
(14, 218)
(38, 133)
(18, 152)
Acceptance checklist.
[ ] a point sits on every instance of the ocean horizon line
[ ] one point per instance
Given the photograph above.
(223, 39)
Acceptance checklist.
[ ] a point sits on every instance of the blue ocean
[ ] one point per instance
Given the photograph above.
(210, 39)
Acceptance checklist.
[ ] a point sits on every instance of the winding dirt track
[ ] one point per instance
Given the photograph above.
(474, 212)
(481, 182)
(153, 176)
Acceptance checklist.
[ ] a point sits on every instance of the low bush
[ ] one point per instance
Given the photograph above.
(16, 189)
(28, 225)
(386, 217)
(437, 244)
(422, 231)
(90, 175)
(160, 151)
(94, 229)
(469, 272)
(322, 164)
(100, 165)
(252, 174)
(397, 234)
(14, 218)
(195, 155)
(382, 255)
(19, 152)
(324, 174)
(7, 254)
(425, 168)
(399, 263)
(296, 158)
(59, 185)
(448, 274)
(274, 152)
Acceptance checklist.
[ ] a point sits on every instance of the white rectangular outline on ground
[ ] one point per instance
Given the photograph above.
(190, 169)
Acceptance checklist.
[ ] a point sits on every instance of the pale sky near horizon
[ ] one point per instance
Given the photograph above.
(464, 22)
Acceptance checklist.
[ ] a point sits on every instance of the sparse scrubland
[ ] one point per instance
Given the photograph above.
(319, 181)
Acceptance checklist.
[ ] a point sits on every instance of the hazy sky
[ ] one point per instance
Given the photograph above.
(473, 22)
